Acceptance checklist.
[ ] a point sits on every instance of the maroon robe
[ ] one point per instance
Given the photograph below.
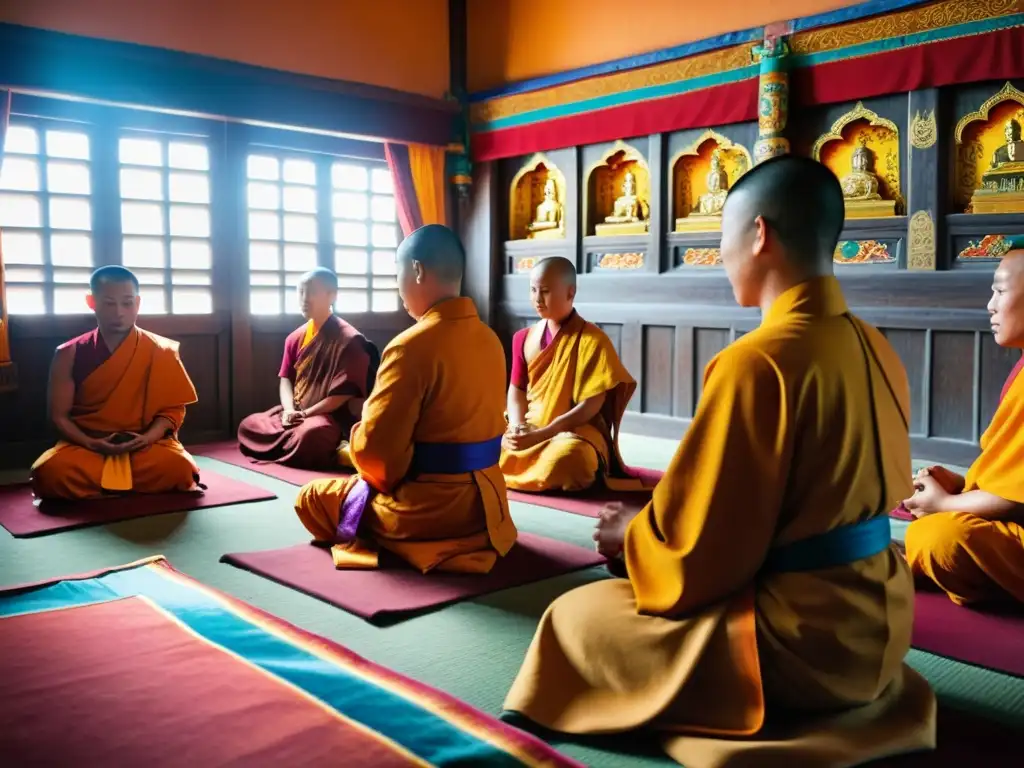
(338, 361)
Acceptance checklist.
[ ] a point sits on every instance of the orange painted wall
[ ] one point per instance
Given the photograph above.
(511, 40)
(400, 44)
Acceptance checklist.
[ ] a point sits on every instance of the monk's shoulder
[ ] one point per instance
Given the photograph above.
(886, 355)
(71, 345)
(162, 346)
(750, 358)
(594, 337)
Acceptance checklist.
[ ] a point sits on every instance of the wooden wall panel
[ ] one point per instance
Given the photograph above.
(951, 402)
(911, 346)
(996, 364)
(659, 369)
(708, 343)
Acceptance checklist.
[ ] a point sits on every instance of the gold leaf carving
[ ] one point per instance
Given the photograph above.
(526, 264)
(1007, 93)
(702, 257)
(923, 130)
(621, 261)
(921, 241)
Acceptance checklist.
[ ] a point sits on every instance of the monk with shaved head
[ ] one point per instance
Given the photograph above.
(117, 399)
(968, 537)
(764, 615)
(428, 488)
(326, 373)
(567, 394)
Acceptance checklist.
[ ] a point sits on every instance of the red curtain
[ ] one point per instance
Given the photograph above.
(408, 206)
(418, 175)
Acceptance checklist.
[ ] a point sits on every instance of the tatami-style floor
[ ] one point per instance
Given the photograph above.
(471, 650)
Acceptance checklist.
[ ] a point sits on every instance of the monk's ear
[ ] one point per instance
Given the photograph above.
(417, 269)
(760, 236)
(90, 301)
(572, 292)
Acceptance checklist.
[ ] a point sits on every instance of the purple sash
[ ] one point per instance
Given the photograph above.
(352, 509)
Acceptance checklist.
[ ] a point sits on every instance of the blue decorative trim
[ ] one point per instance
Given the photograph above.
(680, 87)
(420, 731)
(622, 98)
(755, 34)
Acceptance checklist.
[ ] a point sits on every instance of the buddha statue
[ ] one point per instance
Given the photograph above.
(627, 217)
(860, 183)
(712, 201)
(627, 207)
(1002, 185)
(861, 187)
(548, 218)
(1013, 150)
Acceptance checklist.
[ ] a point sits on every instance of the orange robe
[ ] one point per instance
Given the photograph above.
(792, 438)
(141, 380)
(578, 364)
(440, 381)
(973, 559)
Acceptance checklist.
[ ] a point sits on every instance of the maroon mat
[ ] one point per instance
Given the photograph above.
(228, 453)
(992, 639)
(589, 503)
(901, 513)
(24, 517)
(395, 592)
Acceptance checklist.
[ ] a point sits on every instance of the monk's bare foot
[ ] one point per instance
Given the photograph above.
(610, 533)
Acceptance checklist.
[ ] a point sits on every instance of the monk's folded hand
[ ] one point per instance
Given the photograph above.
(105, 446)
(137, 443)
(520, 441)
(929, 498)
(610, 534)
(950, 481)
(291, 418)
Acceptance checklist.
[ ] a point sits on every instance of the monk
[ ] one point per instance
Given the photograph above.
(326, 373)
(428, 488)
(117, 399)
(764, 616)
(567, 394)
(968, 537)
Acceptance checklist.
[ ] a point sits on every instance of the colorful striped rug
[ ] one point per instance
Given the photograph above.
(141, 664)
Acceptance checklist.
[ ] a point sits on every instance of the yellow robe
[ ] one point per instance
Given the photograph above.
(578, 364)
(143, 379)
(698, 644)
(973, 559)
(440, 381)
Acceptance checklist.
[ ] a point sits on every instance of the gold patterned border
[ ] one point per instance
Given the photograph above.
(1006, 93)
(859, 112)
(908, 22)
(923, 130)
(525, 264)
(621, 261)
(921, 241)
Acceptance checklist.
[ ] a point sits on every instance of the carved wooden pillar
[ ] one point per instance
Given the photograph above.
(773, 99)
(925, 223)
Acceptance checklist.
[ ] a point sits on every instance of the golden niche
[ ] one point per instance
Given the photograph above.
(618, 193)
(863, 151)
(702, 175)
(990, 161)
(537, 201)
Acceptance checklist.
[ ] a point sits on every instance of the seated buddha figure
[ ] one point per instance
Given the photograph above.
(861, 183)
(549, 212)
(1013, 150)
(627, 207)
(712, 201)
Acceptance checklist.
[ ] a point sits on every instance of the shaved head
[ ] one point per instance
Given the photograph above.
(111, 274)
(558, 268)
(801, 203)
(114, 297)
(322, 275)
(431, 262)
(1006, 307)
(438, 249)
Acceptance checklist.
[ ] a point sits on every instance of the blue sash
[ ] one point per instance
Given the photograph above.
(840, 546)
(455, 458)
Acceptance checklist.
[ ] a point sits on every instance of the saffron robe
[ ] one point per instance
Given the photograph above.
(579, 363)
(973, 559)
(792, 438)
(440, 381)
(333, 360)
(123, 391)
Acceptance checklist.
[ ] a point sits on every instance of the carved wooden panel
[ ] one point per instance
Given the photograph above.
(910, 345)
(659, 368)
